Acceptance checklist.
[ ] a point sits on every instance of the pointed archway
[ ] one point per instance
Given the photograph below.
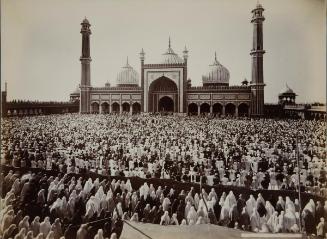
(136, 108)
(115, 108)
(166, 104)
(159, 91)
(126, 107)
(205, 108)
(217, 109)
(193, 109)
(105, 108)
(230, 109)
(95, 108)
(243, 110)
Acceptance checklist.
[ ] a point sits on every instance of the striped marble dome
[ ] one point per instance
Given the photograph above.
(128, 76)
(217, 74)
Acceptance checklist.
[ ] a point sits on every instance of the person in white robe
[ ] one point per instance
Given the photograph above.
(56, 206)
(24, 223)
(183, 223)
(222, 199)
(82, 232)
(165, 219)
(135, 218)
(146, 190)
(231, 198)
(273, 222)
(251, 204)
(289, 205)
(260, 199)
(213, 194)
(64, 207)
(174, 220)
(189, 198)
(166, 204)
(196, 200)
(88, 186)
(21, 234)
(255, 221)
(99, 234)
(56, 228)
(281, 203)
(200, 220)
(35, 226)
(192, 215)
(119, 208)
(289, 219)
(269, 210)
(92, 207)
(7, 220)
(45, 226)
(281, 222)
(311, 207)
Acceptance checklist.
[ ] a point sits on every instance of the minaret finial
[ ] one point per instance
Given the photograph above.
(215, 56)
(169, 42)
(127, 61)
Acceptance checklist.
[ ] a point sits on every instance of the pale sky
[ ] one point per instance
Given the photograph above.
(41, 42)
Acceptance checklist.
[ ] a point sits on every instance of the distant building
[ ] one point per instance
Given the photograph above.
(29, 108)
(288, 108)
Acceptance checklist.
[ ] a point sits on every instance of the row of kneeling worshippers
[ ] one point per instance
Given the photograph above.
(65, 200)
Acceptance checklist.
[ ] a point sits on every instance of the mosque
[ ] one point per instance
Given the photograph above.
(164, 86)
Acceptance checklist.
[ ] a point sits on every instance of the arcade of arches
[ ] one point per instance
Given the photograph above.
(166, 103)
(115, 107)
(219, 109)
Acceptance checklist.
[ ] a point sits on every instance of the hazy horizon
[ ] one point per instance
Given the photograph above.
(41, 42)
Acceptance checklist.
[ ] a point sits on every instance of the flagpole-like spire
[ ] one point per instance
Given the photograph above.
(169, 42)
(215, 56)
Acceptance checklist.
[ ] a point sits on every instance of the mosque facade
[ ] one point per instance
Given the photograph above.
(165, 87)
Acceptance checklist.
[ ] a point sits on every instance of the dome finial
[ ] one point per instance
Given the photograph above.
(169, 42)
(185, 49)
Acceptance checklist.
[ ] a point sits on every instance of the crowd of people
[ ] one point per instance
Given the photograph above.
(37, 205)
(251, 153)
(259, 153)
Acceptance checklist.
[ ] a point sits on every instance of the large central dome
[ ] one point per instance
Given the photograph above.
(128, 76)
(217, 75)
(170, 57)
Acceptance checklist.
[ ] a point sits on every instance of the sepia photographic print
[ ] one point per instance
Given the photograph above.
(155, 119)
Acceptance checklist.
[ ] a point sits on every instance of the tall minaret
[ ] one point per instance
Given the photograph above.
(185, 56)
(257, 84)
(142, 57)
(86, 74)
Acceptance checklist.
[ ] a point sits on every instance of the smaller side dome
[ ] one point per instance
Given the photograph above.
(217, 75)
(128, 76)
